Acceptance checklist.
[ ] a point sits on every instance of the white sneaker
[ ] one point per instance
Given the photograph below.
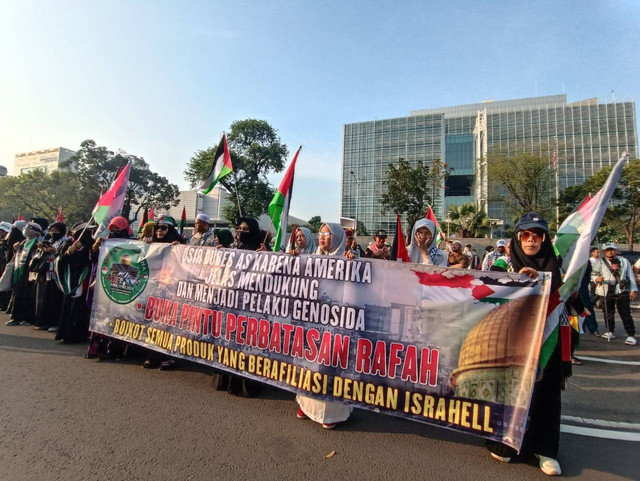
(609, 335)
(502, 459)
(549, 466)
(631, 340)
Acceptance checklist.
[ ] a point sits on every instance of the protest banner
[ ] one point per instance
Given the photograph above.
(450, 347)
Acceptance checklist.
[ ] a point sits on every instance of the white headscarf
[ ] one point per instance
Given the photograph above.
(32, 230)
(338, 240)
(436, 256)
(310, 247)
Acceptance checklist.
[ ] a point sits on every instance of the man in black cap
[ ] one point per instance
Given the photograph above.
(378, 249)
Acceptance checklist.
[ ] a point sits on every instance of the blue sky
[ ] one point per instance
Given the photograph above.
(164, 79)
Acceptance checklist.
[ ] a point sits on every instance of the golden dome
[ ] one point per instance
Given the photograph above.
(501, 338)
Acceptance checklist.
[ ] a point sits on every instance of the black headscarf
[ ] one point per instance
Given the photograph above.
(248, 240)
(171, 235)
(85, 236)
(14, 237)
(545, 260)
(225, 237)
(61, 227)
(42, 222)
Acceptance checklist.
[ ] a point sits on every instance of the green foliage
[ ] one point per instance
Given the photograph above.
(410, 189)
(314, 223)
(524, 182)
(256, 150)
(621, 220)
(468, 221)
(37, 194)
(362, 229)
(95, 167)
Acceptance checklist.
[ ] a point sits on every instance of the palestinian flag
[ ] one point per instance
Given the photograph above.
(279, 206)
(110, 203)
(399, 248)
(431, 216)
(59, 217)
(144, 220)
(20, 217)
(152, 215)
(183, 221)
(583, 225)
(221, 166)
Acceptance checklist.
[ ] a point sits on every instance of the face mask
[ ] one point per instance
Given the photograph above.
(56, 236)
(244, 237)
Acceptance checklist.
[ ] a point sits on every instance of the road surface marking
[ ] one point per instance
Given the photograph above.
(609, 361)
(599, 433)
(601, 422)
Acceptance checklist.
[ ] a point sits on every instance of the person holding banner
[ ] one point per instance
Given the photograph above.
(303, 243)
(423, 248)
(532, 252)
(203, 235)
(331, 242)
(247, 238)
(165, 231)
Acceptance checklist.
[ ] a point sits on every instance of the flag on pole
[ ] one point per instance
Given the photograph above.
(20, 217)
(221, 166)
(583, 225)
(399, 248)
(152, 214)
(145, 219)
(110, 203)
(279, 206)
(431, 216)
(183, 221)
(59, 216)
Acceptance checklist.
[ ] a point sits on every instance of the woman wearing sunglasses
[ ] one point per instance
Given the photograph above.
(532, 252)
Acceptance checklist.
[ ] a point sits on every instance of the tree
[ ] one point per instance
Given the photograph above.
(621, 219)
(362, 229)
(37, 194)
(523, 182)
(406, 193)
(256, 150)
(314, 223)
(467, 220)
(95, 168)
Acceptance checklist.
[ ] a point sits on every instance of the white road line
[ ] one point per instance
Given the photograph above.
(608, 361)
(601, 422)
(599, 433)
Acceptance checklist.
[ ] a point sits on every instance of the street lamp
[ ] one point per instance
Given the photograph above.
(357, 200)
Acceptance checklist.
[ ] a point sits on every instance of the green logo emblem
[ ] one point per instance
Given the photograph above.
(123, 274)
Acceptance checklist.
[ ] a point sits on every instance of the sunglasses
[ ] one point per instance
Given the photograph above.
(324, 234)
(525, 235)
(163, 227)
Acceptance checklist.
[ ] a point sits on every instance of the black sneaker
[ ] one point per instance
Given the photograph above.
(12, 323)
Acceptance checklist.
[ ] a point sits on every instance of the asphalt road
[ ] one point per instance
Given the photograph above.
(68, 418)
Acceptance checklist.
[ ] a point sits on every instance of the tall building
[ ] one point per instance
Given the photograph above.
(587, 136)
(46, 160)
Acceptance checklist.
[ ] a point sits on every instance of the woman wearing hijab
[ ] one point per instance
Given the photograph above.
(72, 269)
(303, 242)
(14, 239)
(5, 230)
(223, 237)
(532, 252)
(165, 231)
(423, 248)
(247, 238)
(147, 231)
(22, 306)
(331, 242)
(48, 297)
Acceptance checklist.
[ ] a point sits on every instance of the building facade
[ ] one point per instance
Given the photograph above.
(587, 135)
(46, 160)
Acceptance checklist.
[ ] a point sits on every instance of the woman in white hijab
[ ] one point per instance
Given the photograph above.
(303, 242)
(331, 241)
(423, 248)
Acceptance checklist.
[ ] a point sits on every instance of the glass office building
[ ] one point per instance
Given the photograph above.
(587, 136)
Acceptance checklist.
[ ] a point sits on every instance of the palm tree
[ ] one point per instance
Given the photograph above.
(467, 220)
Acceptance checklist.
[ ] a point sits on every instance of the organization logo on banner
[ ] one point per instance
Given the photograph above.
(123, 274)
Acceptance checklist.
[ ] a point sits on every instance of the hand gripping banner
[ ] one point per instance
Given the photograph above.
(454, 348)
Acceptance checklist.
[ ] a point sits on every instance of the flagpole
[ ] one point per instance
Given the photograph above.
(235, 180)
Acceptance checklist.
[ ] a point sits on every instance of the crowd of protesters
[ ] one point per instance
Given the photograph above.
(47, 272)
